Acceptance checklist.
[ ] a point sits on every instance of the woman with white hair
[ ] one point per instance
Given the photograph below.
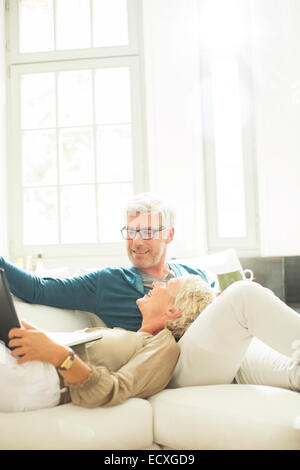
(40, 373)
(125, 364)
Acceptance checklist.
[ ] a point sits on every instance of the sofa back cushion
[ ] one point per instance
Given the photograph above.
(55, 319)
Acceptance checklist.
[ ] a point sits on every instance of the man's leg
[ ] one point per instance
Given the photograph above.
(28, 386)
(214, 346)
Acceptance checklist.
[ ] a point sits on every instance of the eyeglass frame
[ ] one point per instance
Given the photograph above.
(154, 230)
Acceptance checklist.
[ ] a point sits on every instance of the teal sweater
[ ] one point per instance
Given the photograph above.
(110, 293)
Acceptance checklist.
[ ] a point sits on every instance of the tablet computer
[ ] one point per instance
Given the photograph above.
(9, 319)
(8, 315)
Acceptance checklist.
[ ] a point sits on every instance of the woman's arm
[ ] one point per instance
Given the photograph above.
(31, 344)
(147, 372)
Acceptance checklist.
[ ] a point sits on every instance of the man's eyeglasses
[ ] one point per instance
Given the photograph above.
(145, 233)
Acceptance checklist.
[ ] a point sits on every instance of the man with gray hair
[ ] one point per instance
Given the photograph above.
(111, 293)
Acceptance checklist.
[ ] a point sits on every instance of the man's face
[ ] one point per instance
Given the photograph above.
(147, 253)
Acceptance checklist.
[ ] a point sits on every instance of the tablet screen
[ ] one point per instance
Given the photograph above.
(8, 315)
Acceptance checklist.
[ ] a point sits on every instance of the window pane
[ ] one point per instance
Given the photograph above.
(75, 105)
(228, 148)
(36, 25)
(78, 214)
(73, 30)
(39, 158)
(111, 206)
(110, 24)
(40, 216)
(76, 156)
(113, 95)
(114, 153)
(38, 101)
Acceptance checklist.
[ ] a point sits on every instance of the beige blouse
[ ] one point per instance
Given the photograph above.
(124, 364)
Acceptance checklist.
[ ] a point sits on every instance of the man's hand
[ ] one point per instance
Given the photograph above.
(31, 344)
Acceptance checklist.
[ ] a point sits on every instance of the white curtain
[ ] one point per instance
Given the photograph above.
(3, 151)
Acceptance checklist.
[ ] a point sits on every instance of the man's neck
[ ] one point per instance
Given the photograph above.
(160, 272)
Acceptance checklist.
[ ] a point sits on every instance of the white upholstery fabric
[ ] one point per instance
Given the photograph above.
(227, 417)
(55, 319)
(126, 426)
(220, 262)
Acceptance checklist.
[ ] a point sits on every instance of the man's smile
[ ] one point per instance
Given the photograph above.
(140, 252)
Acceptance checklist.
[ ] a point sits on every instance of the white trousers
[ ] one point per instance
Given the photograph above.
(215, 349)
(28, 386)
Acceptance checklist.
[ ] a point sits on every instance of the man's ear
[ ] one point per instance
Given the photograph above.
(170, 235)
(172, 313)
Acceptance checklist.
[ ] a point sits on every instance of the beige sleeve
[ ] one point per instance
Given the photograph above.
(147, 372)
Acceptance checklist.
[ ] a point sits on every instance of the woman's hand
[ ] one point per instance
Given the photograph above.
(31, 344)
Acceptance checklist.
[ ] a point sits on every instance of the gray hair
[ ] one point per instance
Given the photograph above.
(153, 204)
(193, 296)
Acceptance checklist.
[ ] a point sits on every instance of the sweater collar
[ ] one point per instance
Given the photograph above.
(136, 279)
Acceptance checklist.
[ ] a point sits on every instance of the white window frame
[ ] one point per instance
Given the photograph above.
(133, 47)
(249, 244)
(18, 64)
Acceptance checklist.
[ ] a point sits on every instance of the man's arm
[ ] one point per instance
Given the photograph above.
(77, 293)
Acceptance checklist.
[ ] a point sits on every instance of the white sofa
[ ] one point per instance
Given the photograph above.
(205, 417)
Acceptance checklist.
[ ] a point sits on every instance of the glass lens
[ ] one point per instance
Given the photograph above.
(131, 234)
(147, 233)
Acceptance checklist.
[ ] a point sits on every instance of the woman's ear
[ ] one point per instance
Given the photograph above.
(172, 313)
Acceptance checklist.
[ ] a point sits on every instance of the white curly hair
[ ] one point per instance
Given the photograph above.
(193, 296)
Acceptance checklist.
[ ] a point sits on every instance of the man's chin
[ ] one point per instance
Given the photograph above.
(141, 261)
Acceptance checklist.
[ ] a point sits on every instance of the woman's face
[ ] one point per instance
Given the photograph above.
(160, 299)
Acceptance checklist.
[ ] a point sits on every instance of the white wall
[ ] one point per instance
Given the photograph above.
(276, 62)
(173, 116)
(174, 126)
(3, 213)
(174, 136)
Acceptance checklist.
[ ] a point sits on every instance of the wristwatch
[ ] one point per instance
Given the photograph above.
(68, 362)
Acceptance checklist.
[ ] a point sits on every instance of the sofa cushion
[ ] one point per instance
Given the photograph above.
(125, 426)
(227, 417)
(219, 262)
(55, 319)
